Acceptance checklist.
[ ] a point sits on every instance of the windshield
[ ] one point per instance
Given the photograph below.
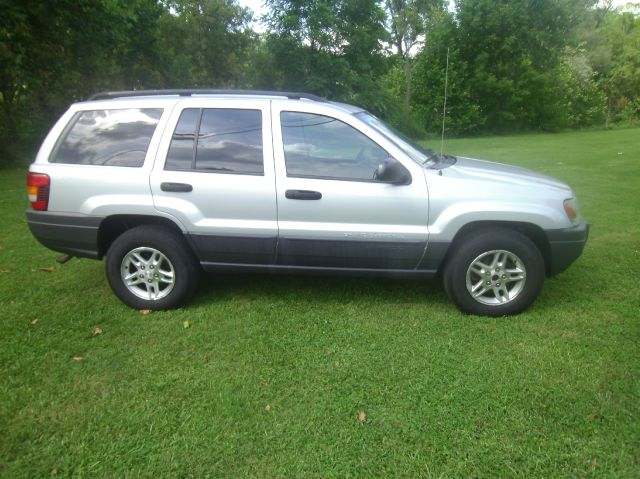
(417, 153)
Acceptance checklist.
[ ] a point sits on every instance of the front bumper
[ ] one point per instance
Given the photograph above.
(565, 246)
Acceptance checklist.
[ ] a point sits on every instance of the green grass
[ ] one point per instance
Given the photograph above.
(271, 374)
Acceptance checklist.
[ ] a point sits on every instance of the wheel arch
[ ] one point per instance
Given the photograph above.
(113, 226)
(531, 231)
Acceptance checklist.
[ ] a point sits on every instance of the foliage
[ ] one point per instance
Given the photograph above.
(505, 56)
(613, 49)
(463, 111)
(581, 101)
(540, 65)
(408, 21)
(205, 43)
(331, 48)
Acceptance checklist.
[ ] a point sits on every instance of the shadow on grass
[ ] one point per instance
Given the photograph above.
(317, 289)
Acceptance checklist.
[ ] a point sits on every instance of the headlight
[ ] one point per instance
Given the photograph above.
(571, 209)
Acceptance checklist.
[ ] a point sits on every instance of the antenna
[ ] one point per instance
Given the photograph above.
(444, 107)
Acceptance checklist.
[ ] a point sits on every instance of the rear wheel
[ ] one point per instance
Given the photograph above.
(149, 267)
(496, 272)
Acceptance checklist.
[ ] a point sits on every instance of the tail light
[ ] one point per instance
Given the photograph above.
(38, 190)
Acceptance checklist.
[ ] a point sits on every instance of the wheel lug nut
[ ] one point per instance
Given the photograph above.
(488, 283)
(497, 284)
(149, 281)
(504, 276)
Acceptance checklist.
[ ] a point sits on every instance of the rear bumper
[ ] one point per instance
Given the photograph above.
(76, 235)
(566, 246)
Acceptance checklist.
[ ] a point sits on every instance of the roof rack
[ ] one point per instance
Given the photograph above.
(108, 95)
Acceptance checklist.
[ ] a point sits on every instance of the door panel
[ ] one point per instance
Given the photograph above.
(225, 199)
(356, 222)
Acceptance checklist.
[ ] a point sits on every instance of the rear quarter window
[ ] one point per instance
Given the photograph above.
(107, 137)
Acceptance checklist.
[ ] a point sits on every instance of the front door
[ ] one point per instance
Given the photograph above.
(332, 211)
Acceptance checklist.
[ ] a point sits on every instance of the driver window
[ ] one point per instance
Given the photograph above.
(317, 146)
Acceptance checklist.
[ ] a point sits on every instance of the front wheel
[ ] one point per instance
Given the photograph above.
(496, 272)
(149, 267)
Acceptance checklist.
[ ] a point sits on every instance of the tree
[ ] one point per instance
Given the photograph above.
(463, 111)
(612, 47)
(330, 47)
(205, 43)
(407, 23)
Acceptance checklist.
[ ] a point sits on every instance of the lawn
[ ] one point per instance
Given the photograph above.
(265, 376)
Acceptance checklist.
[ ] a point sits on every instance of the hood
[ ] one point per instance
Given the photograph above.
(499, 172)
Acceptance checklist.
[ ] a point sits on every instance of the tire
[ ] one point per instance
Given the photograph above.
(163, 270)
(494, 272)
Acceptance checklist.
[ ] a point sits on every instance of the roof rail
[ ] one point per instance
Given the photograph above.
(107, 95)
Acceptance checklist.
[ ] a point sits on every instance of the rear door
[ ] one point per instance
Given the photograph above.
(214, 173)
(332, 212)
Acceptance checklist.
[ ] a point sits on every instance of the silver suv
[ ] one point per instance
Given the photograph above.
(168, 183)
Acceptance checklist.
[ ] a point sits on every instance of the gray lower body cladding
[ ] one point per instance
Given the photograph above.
(285, 255)
(76, 235)
(566, 245)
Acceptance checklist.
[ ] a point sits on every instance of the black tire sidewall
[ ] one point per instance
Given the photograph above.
(172, 246)
(494, 239)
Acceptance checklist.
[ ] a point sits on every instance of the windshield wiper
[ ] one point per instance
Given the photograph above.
(431, 155)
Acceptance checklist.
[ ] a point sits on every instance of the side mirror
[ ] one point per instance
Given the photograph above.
(391, 171)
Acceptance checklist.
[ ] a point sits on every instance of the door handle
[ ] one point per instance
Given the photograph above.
(176, 187)
(302, 195)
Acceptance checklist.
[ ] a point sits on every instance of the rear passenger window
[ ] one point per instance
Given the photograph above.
(219, 140)
(108, 137)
